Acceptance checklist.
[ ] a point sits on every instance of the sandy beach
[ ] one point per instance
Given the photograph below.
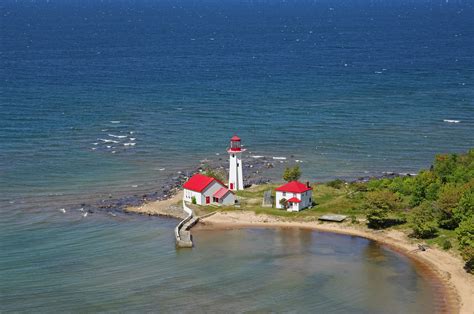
(458, 286)
(170, 207)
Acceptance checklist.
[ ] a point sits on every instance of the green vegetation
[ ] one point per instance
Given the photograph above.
(218, 174)
(193, 200)
(292, 173)
(437, 205)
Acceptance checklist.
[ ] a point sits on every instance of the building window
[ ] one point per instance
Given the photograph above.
(284, 193)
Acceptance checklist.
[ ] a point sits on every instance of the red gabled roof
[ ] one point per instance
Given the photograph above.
(199, 182)
(222, 192)
(294, 187)
(294, 200)
(235, 138)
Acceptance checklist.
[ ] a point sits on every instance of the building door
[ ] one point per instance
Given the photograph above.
(232, 186)
(208, 199)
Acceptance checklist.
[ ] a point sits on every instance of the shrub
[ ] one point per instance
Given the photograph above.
(378, 184)
(468, 255)
(292, 173)
(465, 208)
(402, 185)
(218, 174)
(359, 186)
(465, 233)
(448, 200)
(193, 200)
(446, 245)
(354, 219)
(445, 166)
(379, 219)
(424, 221)
(383, 200)
(425, 186)
(284, 203)
(425, 229)
(337, 184)
(376, 218)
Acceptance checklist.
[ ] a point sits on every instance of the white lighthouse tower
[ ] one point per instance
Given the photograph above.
(236, 181)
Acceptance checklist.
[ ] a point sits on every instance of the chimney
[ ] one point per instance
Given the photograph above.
(307, 184)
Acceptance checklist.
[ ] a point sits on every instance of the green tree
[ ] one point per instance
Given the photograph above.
(424, 221)
(445, 166)
(465, 208)
(376, 218)
(292, 173)
(465, 233)
(384, 200)
(381, 207)
(425, 187)
(447, 202)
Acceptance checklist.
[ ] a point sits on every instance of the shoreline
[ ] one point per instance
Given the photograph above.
(455, 285)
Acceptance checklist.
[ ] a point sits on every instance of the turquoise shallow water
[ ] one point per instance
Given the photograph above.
(68, 263)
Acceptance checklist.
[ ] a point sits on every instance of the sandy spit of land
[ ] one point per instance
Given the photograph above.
(457, 288)
(170, 207)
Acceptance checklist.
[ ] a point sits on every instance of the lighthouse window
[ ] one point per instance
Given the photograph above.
(233, 155)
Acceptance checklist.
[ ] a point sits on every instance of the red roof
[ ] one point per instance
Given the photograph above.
(235, 138)
(294, 200)
(199, 182)
(221, 192)
(294, 187)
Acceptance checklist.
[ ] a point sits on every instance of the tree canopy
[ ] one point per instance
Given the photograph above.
(292, 173)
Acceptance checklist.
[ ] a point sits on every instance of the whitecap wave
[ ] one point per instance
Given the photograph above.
(117, 136)
(279, 158)
(129, 144)
(451, 121)
(114, 121)
(107, 140)
(257, 156)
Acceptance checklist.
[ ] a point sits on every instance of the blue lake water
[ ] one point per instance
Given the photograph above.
(122, 264)
(109, 98)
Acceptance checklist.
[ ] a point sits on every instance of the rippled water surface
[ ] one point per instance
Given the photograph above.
(113, 97)
(69, 263)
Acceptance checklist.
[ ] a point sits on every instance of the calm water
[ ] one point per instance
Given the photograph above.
(127, 264)
(111, 97)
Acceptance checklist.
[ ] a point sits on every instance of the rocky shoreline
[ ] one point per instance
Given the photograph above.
(256, 171)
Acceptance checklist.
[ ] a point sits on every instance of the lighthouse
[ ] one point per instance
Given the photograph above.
(236, 181)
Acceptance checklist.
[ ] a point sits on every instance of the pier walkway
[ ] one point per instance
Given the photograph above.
(182, 231)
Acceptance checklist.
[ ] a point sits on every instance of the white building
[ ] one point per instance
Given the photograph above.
(207, 191)
(298, 196)
(236, 180)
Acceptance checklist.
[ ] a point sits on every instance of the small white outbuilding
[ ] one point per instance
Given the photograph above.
(207, 190)
(296, 194)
